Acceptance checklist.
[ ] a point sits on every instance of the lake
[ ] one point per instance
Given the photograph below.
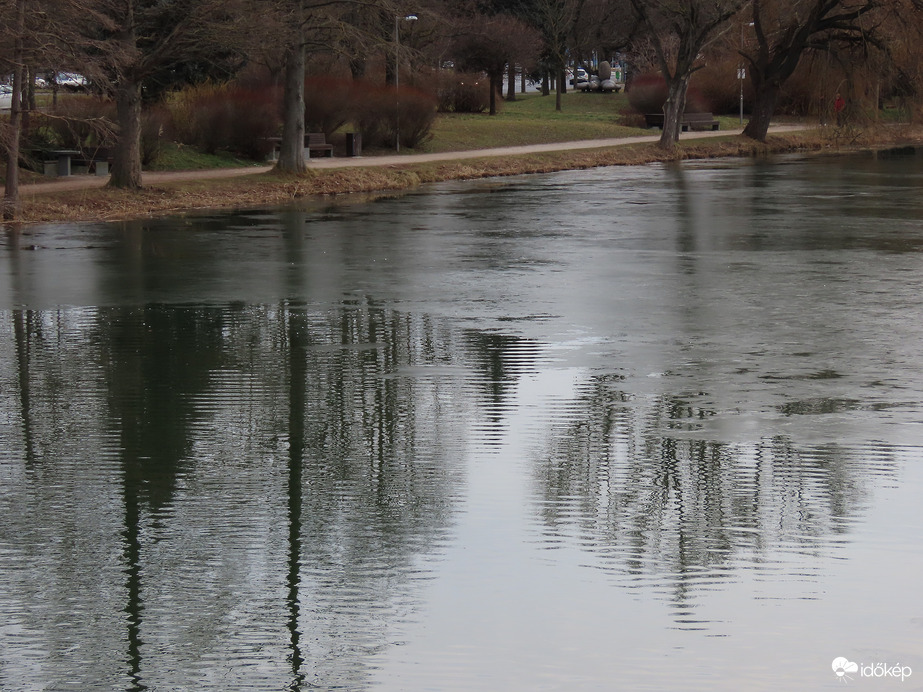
(630, 428)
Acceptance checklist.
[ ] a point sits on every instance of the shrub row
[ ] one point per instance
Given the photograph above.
(225, 118)
(377, 112)
(648, 92)
(460, 92)
(241, 120)
(716, 89)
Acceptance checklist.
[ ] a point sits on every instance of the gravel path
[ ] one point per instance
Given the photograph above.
(81, 182)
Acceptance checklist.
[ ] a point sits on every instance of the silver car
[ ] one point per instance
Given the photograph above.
(6, 97)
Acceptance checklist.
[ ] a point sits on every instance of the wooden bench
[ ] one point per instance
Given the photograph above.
(313, 142)
(689, 121)
(316, 142)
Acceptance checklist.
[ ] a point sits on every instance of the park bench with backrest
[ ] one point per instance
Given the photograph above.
(316, 142)
(689, 121)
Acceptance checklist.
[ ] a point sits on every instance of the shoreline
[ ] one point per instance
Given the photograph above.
(164, 194)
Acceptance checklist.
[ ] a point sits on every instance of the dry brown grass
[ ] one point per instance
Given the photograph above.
(106, 204)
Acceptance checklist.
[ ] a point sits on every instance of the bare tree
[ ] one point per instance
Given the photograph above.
(24, 39)
(785, 30)
(318, 26)
(555, 21)
(523, 48)
(488, 44)
(679, 32)
(121, 44)
(291, 151)
(602, 26)
(902, 73)
(11, 135)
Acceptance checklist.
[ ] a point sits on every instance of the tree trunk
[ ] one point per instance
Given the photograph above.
(291, 153)
(28, 99)
(764, 106)
(559, 89)
(496, 84)
(11, 187)
(126, 160)
(511, 82)
(673, 109)
(357, 65)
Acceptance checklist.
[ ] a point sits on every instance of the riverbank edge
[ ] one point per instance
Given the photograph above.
(347, 184)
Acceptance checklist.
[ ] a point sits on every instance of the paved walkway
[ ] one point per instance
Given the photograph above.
(81, 182)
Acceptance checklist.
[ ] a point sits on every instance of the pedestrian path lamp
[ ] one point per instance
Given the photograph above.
(397, 73)
(741, 76)
(742, 73)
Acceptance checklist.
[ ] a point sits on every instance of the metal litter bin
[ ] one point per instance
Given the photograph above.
(353, 144)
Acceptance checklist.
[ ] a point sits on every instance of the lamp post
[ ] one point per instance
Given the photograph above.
(397, 75)
(742, 73)
(741, 76)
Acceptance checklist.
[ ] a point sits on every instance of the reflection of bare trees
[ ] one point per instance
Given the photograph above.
(660, 507)
(501, 360)
(377, 478)
(259, 475)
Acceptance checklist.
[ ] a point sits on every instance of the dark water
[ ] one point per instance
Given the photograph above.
(645, 428)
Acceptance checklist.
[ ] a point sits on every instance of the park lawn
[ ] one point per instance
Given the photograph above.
(176, 157)
(532, 119)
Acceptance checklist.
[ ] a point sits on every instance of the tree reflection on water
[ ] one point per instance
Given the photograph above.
(661, 506)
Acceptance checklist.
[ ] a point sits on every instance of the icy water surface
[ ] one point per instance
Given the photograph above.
(642, 428)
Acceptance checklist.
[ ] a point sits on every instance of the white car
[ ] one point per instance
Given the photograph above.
(71, 81)
(581, 77)
(6, 97)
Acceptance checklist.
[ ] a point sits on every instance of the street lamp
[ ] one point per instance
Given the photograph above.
(397, 74)
(742, 73)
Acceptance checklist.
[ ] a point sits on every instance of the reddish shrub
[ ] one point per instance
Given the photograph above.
(472, 94)
(648, 93)
(254, 117)
(227, 118)
(329, 103)
(381, 112)
(155, 129)
(461, 92)
(417, 111)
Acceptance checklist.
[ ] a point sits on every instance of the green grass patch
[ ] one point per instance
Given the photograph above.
(178, 157)
(533, 119)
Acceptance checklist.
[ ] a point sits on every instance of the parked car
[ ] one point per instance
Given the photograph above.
(580, 77)
(71, 81)
(6, 97)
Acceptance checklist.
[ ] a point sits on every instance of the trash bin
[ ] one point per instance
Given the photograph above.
(354, 144)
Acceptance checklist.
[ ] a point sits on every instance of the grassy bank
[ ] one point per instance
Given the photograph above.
(528, 121)
(532, 119)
